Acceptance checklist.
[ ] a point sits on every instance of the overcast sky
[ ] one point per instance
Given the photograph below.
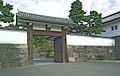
(60, 8)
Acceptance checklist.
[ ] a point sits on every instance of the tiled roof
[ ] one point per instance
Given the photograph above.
(42, 18)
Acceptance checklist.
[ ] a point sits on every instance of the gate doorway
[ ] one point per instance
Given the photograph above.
(37, 25)
(43, 49)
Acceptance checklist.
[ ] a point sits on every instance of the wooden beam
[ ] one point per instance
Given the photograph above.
(29, 42)
(46, 33)
(64, 45)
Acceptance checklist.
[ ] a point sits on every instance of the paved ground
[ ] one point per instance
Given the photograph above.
(71, 69)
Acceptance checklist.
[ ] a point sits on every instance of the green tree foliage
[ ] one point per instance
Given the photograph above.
(85, 24)
(43, 47)
(95, 23)
(77, 15)
(6, 15)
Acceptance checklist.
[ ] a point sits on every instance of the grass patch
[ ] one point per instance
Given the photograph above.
(108, 61)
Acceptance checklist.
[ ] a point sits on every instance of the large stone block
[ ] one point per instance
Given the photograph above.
(6, 65)
(14, 54)
(23, 51)
(117, 41)
(17, 46)
(15, 64)
(117, 49)
(3, 46)
(3, 50)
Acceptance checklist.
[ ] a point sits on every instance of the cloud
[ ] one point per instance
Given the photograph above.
(56, 8)
(106, 7)
(51, 9)
(60, 8)
(102, 5)
(21, 5)
(87, 4)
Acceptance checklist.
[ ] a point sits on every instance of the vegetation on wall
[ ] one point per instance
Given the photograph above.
(100, 57)
(117, 56)
(43, 47)
(85, 24)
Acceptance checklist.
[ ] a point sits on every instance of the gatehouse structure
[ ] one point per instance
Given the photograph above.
(45, 26)
(80, 48)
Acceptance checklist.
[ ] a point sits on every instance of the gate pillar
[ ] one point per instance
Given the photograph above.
(58, 53)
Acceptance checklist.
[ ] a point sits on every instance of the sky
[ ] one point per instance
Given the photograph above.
(60, 8)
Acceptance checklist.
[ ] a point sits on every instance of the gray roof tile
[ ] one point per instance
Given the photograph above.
(42, 18)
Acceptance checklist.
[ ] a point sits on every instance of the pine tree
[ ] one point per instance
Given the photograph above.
(77, 15)
(95, 23)
(6, 15)
(85, 24)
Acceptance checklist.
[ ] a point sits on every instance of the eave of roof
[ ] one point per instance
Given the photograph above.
(112, 17)
(111, 14)
(112, 20)
(44, 19)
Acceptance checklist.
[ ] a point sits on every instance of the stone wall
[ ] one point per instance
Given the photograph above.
(12, 55)
(117, 40)
(83, 53)
(117, 45)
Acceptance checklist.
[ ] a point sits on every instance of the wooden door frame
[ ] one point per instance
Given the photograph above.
(62, 34)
